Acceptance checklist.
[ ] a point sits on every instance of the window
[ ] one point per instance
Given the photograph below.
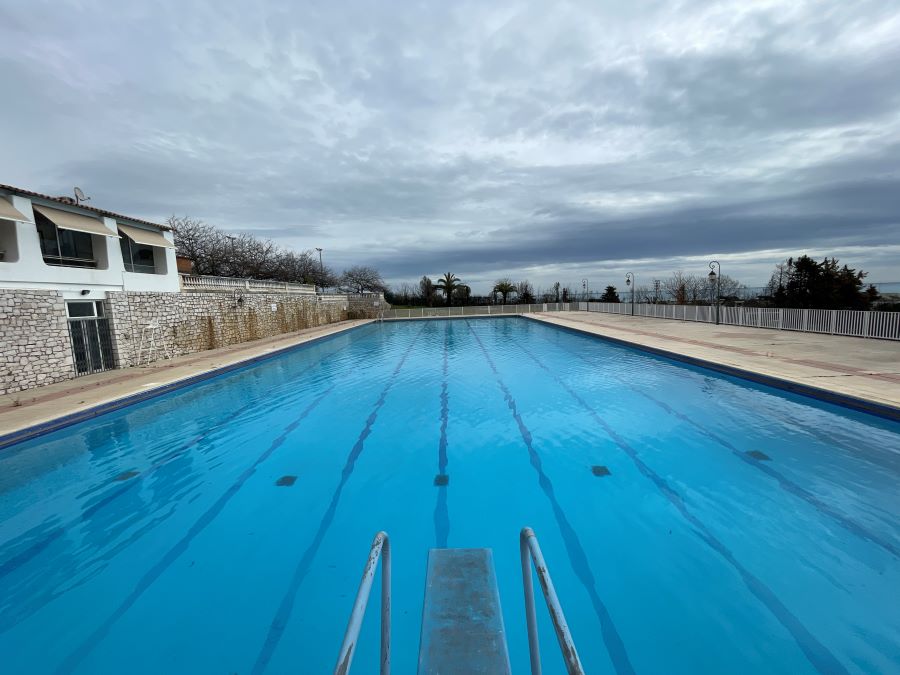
(80, 309)
(64, 247)
(9, 249)
(137, 257)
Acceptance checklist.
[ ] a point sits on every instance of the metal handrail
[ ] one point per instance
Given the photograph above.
(530, 549)
(381, 548)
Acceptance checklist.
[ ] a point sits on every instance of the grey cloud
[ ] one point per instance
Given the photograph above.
(469, 136)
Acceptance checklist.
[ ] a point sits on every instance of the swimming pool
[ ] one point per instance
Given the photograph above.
(222, 528)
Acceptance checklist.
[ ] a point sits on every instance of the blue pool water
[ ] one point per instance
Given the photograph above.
(157, 539)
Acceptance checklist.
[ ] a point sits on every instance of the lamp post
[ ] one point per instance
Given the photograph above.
(714, 279)
(629, 281)
(231, 238)
(321, 270)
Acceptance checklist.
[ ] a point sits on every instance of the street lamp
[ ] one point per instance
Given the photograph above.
(629, 281)
(321, 270)
(714, 280)
(230, 238)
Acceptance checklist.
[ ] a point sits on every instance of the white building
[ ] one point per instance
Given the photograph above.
(52, 243)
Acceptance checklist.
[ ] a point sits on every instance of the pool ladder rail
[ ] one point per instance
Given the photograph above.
(450, 573)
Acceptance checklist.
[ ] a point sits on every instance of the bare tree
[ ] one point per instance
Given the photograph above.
(686, 288)
(404, 294)
(362, 279)
(525, 291)
(218, 253)
(204, 244)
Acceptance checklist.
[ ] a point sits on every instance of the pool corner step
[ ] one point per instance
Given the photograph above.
(462, 625)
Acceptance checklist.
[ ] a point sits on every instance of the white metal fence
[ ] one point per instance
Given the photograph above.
(882, 325)
(478, 310)
(208, 283)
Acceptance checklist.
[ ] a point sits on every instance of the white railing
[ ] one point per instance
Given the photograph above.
(208, 283)
(381, 548)
(881, 325)
(477, 310)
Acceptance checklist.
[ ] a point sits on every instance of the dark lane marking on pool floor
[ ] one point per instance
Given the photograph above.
(753, 458)
(578, 558)
(286, 481)
(76, 657)
(817, 653)
(442, 480)
(127, 485)
(286, 607)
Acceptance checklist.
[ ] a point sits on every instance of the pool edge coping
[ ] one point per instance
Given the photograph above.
(876, 408)
(49, 426)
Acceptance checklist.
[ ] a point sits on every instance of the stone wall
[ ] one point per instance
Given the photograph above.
(34, 340)
(367, 305)
(194, 321)
(35, 347)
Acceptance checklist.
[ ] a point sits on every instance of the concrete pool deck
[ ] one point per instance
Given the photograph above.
(868, 370)
(41, 405)
(860, 368)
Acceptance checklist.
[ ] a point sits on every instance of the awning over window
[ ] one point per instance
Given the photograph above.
(65, 220)
(145, 237)
(10, 212)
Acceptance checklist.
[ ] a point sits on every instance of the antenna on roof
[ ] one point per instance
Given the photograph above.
(79, 196)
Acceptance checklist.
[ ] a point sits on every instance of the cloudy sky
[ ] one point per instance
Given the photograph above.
(553, 141)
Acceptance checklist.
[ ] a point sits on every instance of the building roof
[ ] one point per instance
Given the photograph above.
(69, 201)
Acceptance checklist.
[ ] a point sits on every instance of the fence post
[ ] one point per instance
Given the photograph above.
(780, 317)
(865, 326)
(833, 319)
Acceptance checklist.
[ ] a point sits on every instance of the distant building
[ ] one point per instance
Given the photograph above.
(51, 243)
(84, 290)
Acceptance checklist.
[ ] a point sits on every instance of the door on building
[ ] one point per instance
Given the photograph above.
(89, 331)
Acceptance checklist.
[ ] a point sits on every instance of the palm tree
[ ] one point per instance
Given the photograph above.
(504, 287)
(447, 284)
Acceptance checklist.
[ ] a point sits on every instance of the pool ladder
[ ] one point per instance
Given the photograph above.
(454, 574)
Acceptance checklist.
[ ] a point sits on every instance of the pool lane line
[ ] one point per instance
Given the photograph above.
(441, 512)
(817, 653)
(783, 481)
(76, 657)
(578, 558)
(29, 553)
(715, 378)
(286, 607)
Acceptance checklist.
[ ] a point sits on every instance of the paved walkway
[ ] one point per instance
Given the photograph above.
(35, 406)
(863, 368)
